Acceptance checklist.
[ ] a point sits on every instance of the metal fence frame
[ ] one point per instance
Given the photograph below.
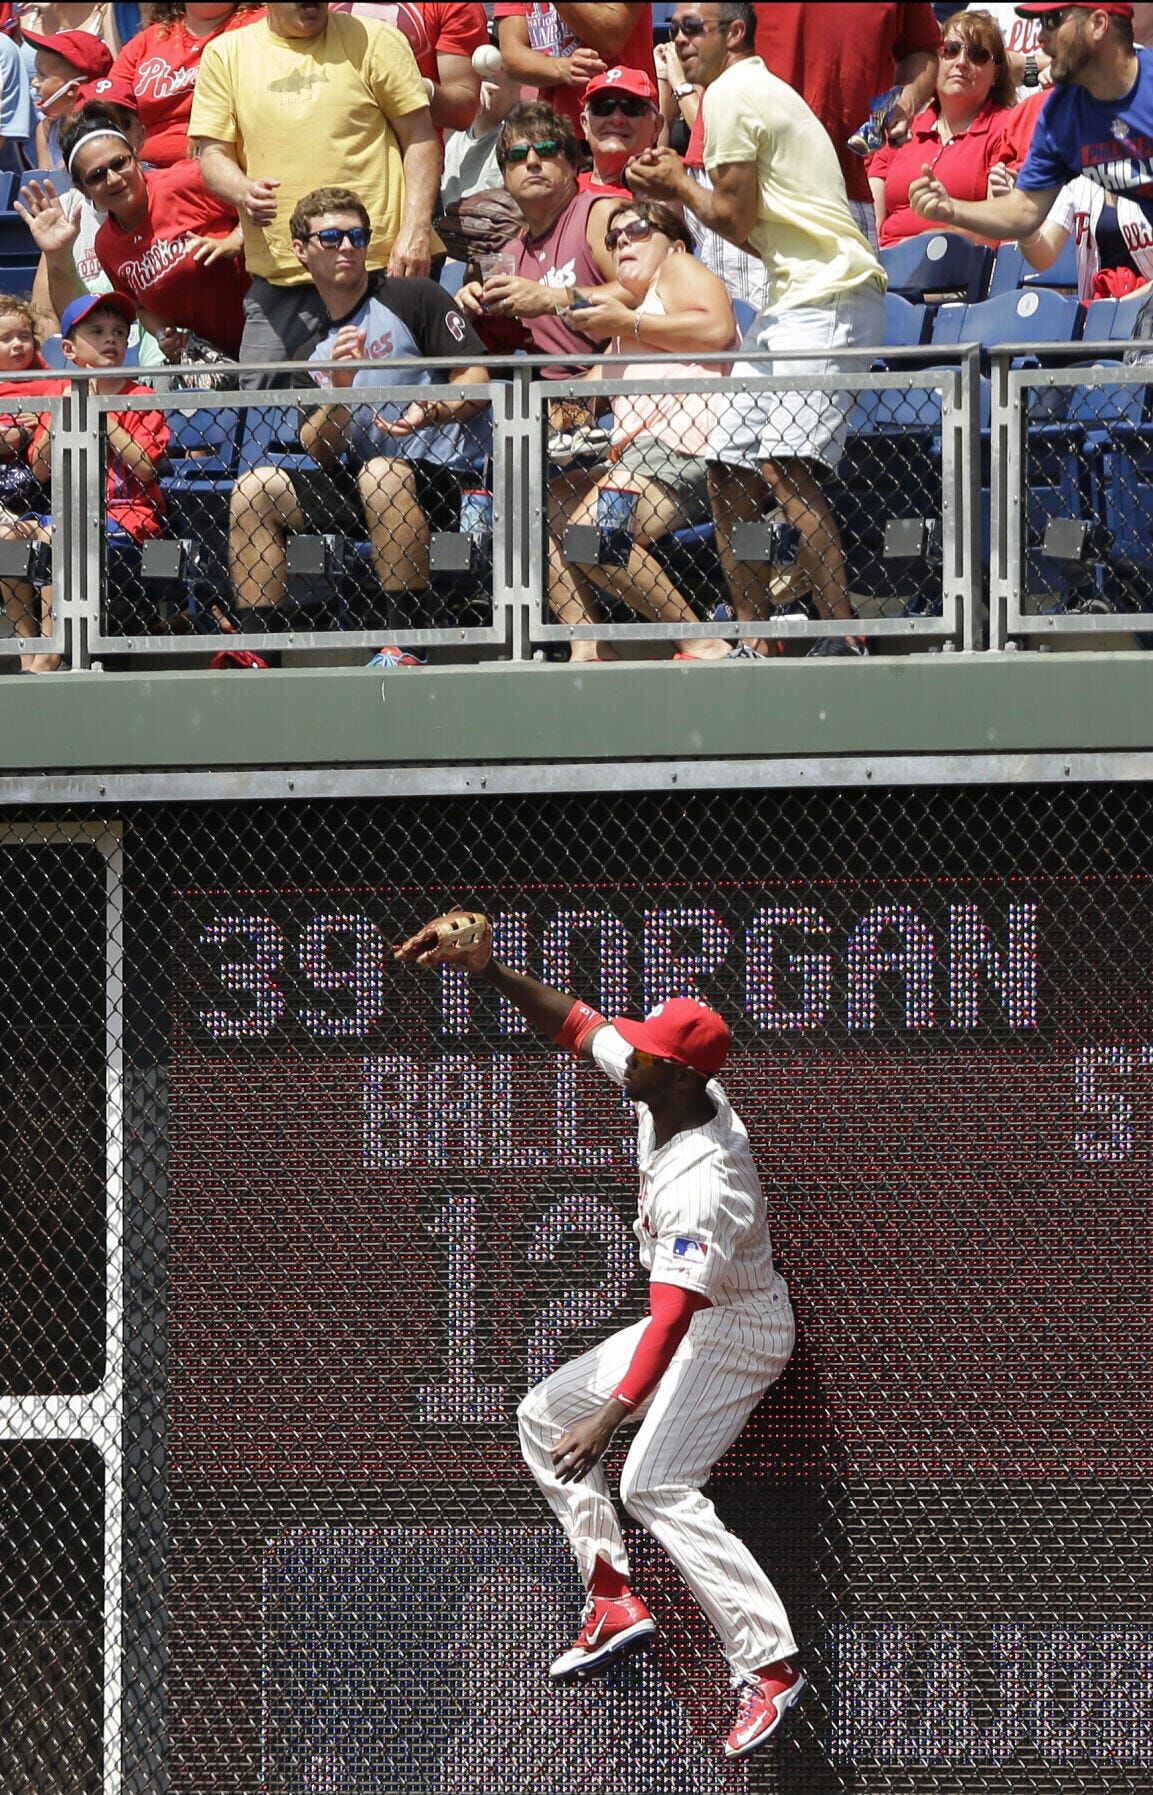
(1013, 393)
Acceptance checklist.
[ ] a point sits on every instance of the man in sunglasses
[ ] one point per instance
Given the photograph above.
(559, 49)
(776, 186)
(560, 256)
(390, 472)
(620, 120)
(719, 1333)
(1096, 123)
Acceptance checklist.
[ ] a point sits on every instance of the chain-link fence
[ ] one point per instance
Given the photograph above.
(1076, 444)
(289, 1230)
(510, 518)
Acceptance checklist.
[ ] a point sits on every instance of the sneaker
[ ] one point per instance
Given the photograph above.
(743, 652)
(765, 1700)
(838, 645)
(612, 1627)
(397, 657)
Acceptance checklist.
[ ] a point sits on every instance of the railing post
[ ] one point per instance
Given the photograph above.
(513, 512)
(961, 497)
(1006, 468)
(78, 523)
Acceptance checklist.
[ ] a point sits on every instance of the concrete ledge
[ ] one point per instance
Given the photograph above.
(470, 716)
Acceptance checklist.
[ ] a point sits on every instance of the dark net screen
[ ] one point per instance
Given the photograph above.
(391, 1209)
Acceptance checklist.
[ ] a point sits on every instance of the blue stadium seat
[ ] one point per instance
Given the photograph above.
(1114, 320)
(59, 177)
(453, 276)
(1034, 316)
(936, 262)
(1011, 271)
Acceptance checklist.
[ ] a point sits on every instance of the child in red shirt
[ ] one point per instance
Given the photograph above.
(94, 335)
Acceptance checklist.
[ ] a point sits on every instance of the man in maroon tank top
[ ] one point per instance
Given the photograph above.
(560, 256)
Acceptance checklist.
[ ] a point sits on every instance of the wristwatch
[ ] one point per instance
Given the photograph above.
(1032, 74)
(683, 89)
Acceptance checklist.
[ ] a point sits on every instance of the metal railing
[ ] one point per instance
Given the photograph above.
(982, 502)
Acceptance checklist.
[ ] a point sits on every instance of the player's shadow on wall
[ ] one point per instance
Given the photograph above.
(783, 1489)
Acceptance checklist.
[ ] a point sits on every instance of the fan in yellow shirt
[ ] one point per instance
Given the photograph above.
(314, 99)
(776, 189)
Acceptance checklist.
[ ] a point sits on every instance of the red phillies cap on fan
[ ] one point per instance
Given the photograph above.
(681, 1030)
(1120, 7)
(79, 49)
(622, 80)
(117, 93)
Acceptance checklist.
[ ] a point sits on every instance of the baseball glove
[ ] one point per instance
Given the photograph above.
(460, 938)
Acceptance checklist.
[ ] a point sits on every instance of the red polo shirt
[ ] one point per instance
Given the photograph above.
(962, 167)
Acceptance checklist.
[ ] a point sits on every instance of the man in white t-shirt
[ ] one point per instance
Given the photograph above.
(777, 188)
(719, 1332)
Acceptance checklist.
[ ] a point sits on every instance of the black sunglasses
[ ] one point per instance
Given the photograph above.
(606, 104)
(954, 48)
(546, 149)
(1053, 21)
(96, 177)
(331, 237)
(690, 27)
(637, 230)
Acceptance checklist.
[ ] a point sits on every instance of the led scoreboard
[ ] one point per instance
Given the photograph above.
(393, 1209)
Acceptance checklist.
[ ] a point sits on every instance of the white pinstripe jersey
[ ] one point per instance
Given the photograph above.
(701, 1219)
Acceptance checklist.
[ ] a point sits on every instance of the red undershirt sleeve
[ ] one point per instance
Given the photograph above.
(581, 1021)
(671, 1309)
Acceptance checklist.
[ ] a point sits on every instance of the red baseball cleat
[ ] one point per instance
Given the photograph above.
(765, 1700)
(612, 1627)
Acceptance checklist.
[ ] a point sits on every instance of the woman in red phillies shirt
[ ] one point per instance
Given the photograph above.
(163, 231)
(160, 66)
(957, 135)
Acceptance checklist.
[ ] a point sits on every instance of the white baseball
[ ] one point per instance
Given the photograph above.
(487, 60)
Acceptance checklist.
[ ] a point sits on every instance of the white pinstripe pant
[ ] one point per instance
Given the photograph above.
(719, 1373)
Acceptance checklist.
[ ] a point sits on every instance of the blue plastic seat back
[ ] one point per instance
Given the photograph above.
(1115, 320)
(1011, 270)
(1027, 316)
(906, 323)
(937, 262)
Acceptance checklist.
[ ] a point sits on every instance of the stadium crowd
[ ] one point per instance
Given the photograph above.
(251, 186)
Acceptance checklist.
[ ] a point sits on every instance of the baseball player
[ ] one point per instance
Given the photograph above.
(719, 1332)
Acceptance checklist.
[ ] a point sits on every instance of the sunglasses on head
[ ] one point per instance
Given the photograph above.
(97, 176)
(954, 48)
(331, 237)
(546, 149)
(637, 230)
(604, 105)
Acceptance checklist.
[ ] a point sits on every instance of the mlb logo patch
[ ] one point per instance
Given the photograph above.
(693, 1252)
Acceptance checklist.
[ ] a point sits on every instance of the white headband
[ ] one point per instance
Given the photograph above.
(90, 137)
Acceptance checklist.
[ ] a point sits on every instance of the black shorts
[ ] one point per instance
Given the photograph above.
(331, 505)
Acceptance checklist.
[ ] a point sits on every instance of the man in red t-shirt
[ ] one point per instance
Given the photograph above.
(95, 333)
(558, 49)
(443, 38)
(839, 58)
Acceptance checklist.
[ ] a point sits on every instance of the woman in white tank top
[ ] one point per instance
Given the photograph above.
(660, 438)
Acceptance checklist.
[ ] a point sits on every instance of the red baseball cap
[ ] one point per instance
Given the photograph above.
(117, 93)
(622, 80)
(681, 1030)
(1120, 7)
(79, 49)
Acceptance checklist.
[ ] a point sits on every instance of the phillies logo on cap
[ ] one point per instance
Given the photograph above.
(614, 75)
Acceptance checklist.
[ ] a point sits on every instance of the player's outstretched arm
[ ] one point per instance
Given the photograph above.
(464, 938)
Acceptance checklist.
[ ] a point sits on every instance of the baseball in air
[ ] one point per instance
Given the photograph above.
(487, 60)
